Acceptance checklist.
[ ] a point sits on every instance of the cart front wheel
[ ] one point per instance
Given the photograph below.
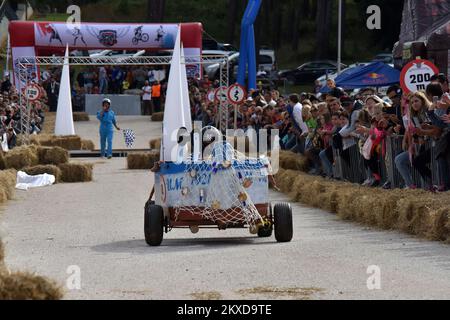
(153, 224)
(283, 222)
(265, 232)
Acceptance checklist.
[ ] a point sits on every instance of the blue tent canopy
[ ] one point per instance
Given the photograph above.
(376, 74)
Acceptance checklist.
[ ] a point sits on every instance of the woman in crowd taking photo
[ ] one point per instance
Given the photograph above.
(418, 132)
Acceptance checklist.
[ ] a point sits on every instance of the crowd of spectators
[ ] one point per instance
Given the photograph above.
(315, 125)
(10, 113)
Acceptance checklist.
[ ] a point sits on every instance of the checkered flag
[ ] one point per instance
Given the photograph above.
(130, 137)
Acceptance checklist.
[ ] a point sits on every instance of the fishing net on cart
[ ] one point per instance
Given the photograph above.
(219, 188)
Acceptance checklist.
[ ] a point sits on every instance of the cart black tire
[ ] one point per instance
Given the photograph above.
(153, 224)
(283, 222)
(147, 204)
(265, 232)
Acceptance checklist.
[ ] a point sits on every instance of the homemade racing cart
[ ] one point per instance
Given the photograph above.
(225, 191)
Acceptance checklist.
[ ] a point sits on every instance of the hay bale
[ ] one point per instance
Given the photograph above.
(414, 215)
(21, 157)
(66, 142)
(2, 160)
(158, 117)
(8, 180)
(142, 161)
(80, 116)
(293, 161)
(155, 144)
(87, 145)
(33, 140)
(26, 286)
(52, 155)
(441, 225)
(41, 169)
(76, 172)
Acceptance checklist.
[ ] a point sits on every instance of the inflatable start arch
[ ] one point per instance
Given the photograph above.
(36, 38)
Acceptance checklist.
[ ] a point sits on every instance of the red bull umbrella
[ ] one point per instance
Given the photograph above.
(376, 74)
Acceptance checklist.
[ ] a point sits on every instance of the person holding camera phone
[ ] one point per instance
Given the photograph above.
(419, 130)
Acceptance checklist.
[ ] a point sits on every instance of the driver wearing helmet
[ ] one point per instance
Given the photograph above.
(107, 120)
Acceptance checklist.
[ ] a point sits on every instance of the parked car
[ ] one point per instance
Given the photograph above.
(267, 63)
(323, 79)
(310, 71)
(385, 57)
(210, 44)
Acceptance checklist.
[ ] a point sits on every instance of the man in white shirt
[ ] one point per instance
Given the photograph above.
(298, 119)
(147, 99)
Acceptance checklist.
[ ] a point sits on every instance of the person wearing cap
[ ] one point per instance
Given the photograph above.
(108, 122)
(394, 93)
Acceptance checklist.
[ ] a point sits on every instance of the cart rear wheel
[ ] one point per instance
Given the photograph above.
(283, 222)
(153, 224)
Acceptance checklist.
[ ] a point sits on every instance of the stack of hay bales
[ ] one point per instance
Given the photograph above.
(416, 212)
(47, 140)
(158, 117)
(51, 160)
(80, 116)
(142, 161)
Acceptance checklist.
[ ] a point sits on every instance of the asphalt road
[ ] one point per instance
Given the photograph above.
(98, 226)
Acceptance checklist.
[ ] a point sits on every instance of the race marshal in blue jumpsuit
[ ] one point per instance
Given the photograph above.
(107, 120)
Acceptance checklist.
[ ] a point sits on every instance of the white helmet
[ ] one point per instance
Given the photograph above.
(106, 100)
(211, 134)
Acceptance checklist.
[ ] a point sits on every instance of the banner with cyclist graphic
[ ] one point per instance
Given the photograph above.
(36, 38)
(106, 35)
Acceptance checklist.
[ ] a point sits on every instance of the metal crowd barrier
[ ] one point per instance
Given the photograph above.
(349, 165)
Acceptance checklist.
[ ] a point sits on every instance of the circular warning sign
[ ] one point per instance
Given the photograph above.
(221, 94)
(236, 94)
(416, 75)
(211, 96)
(32, 92)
